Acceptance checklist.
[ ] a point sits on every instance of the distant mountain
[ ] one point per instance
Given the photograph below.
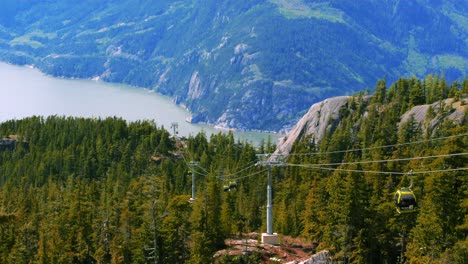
(253, 64)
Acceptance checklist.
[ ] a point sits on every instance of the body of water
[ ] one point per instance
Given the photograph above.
(26, 91)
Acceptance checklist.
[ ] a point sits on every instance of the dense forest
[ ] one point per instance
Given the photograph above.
(78, 190)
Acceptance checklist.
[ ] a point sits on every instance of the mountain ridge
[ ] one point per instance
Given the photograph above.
(250, 66)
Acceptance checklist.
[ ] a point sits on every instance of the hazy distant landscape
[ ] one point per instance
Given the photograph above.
(245, 65)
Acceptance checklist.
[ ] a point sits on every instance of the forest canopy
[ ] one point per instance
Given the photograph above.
(80, 190)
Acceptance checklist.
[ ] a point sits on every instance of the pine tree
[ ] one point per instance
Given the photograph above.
(310, 218)
(207, 232)
(176, 230)
(416, 94)
(380, 94)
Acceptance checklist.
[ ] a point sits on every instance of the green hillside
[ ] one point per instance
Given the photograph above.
(75, 190)
(239, 64)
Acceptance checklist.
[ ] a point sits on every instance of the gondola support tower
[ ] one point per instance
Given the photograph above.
(192, 165)
(270, 160)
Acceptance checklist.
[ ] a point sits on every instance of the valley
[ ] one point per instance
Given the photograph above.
(257, 65)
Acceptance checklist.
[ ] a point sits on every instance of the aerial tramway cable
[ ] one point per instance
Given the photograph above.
(376, 147)
(390, 160)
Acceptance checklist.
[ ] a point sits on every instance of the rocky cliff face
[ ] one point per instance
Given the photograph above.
(324, 117)
(321, 117)
(428, 116)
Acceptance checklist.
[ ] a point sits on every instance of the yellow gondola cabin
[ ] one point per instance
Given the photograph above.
(405, 201)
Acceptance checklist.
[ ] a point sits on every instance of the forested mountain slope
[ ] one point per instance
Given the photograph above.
(421, 101)
(240, 64)
(76, 190)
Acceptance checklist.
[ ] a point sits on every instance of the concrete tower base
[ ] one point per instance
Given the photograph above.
(271, 239)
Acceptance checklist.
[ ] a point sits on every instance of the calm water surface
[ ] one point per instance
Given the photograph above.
(25, 92)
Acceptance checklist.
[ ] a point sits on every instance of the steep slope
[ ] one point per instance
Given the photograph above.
(246, 65)
(324, 117)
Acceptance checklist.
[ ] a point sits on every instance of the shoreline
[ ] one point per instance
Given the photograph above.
(98, 79)
(97, 102)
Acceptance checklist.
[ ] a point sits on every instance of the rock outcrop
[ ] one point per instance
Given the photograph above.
(430, 115)
(322, 257)
(321, 117)
(324, 117)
